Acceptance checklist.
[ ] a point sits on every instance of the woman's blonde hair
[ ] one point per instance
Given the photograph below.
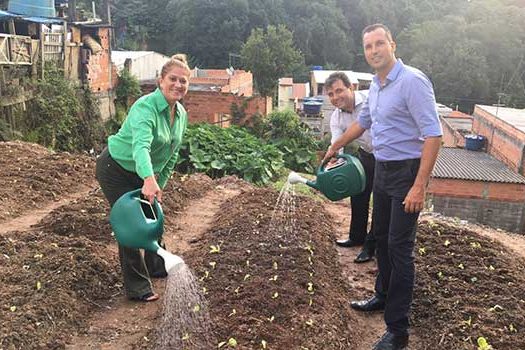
(178, 60)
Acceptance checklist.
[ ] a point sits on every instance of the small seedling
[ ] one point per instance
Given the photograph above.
(422, 251)
(483, 344)
(264, 344)
(310, 322)
(447, 243)
(232, 313)
(275, 295)
(215, 249)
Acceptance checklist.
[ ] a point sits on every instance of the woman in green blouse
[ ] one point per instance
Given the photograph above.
(142, 155)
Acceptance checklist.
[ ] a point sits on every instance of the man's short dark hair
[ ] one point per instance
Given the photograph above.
(373, 27)
(335, 76)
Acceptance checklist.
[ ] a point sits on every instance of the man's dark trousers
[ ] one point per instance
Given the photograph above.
(395, 233)
(361, 204)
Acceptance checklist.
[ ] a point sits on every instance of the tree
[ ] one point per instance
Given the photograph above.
(270, 55)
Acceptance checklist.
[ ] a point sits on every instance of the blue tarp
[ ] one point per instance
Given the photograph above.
(5, 15)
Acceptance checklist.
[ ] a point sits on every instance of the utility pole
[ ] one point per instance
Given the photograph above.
(72, 10)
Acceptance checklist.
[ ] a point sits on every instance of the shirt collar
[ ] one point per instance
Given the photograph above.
(394, 72)
(358, 99)
(159, 100)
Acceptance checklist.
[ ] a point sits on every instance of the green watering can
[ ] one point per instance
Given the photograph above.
(344, 179)
(137, 223)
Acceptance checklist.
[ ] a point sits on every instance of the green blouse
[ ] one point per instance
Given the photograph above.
(145, 143)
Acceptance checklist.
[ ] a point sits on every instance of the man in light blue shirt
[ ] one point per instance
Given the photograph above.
(406, 135)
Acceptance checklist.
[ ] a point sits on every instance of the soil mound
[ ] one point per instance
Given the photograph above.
(49, 286)
(30, 176)
(467, 287)
(264, 287)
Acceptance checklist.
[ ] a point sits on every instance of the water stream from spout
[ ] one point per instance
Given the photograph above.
(185, 321)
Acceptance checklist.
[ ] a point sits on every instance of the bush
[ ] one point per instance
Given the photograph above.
(228, 151)
(284, 130)
(63, 116)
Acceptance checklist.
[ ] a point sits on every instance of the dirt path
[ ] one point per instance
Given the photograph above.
(360, 276)
(24, 222)
(126, 323)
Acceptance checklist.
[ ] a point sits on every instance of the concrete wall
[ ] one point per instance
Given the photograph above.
(149, 66)
(504, 142)
(505, 215)
(499, 205)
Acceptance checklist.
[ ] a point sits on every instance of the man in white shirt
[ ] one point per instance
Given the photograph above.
(348, 104)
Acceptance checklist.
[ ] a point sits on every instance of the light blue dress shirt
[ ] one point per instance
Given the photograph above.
(400, 114)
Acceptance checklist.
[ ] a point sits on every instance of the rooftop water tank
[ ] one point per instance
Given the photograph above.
(474, 142)
(36, 8)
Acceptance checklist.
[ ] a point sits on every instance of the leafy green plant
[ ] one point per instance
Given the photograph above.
(228, 151)
(128, 89)
(284, 130)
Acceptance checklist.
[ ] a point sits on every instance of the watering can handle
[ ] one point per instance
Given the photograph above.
(137, 195)
(148, 203)
(338, 156)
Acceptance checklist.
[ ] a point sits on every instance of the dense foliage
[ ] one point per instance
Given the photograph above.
(62, 116)
(472, 50)
(270, 55)
(220, 151)
(284, 130)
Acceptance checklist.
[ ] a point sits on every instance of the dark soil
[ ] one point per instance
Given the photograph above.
(30, 175)
(55, 275)
(48, 286)
(284, 312)
(467, 287)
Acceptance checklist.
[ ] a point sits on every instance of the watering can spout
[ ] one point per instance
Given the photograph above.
(170, 260)
(295, 178)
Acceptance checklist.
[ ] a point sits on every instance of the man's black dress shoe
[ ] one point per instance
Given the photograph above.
(391, 341)
(364, 256)
(347, 243)
(372, 304)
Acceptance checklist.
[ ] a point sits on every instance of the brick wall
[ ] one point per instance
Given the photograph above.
(98, 73)
(504, 142)
(206, 106)
(451, 137)
(240, 83)
(499, 205)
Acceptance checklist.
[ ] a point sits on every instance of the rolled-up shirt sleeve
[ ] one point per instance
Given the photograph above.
(421, 103)
(364, 119)
(142, 125)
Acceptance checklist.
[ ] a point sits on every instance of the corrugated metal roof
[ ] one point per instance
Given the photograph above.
(6, 15)
(512, 116)
(462, 164)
